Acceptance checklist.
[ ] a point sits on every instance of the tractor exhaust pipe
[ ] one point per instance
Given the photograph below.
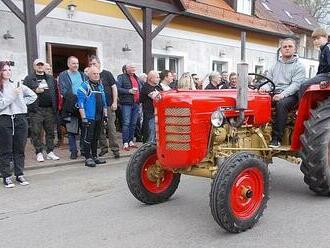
(242, 92)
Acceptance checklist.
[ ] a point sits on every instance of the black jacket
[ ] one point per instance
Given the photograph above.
(210, 86)
(70, 106)
(32, 83)
(324, 66)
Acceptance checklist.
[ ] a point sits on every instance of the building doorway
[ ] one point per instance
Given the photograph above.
(57, 55)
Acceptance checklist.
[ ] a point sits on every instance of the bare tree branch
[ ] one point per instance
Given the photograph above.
(319, 9)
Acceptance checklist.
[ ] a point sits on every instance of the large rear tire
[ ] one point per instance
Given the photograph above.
(315, 152)
(240, 192)
(147, 181)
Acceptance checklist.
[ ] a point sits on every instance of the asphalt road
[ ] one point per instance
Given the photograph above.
(75, 206)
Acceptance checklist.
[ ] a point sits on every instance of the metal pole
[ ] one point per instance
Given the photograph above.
(243, 46)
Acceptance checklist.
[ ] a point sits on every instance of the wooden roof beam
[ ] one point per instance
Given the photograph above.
(131, 19)
(45, 11)
(16, 11)
(152, 4)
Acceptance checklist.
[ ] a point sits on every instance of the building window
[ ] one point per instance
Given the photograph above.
(312, 71)
(219, 66)
(162, 62)
(259, 69)
(244, 6)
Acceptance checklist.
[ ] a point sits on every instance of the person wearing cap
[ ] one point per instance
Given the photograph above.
(43, 111)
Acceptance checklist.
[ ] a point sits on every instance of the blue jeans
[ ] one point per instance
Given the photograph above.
(129, 115)
(151, 131)
(73, 143)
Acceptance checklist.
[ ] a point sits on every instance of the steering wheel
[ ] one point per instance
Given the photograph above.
(261, 83)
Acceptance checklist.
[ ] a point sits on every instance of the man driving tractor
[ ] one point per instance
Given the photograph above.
(288, 74)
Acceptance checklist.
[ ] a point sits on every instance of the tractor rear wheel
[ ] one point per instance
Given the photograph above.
(315, 152)
(148, 181)
(240, 192)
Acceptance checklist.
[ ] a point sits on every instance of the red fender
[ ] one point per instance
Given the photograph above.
(309, 101)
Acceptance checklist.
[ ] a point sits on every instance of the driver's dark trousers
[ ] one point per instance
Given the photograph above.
(282, 108)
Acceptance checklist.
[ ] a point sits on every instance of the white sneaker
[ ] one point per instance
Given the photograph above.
(52, 156)
(22, 181)
(131, 144)
(126, 147)
(40, 157)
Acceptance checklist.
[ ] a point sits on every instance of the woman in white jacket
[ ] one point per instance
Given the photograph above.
(13, 125)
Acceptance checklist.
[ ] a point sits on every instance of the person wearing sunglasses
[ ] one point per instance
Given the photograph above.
(198, 83)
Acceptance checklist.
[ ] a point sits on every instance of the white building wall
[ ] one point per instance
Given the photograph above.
(196, 51)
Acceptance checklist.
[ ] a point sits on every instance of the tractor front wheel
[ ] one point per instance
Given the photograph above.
(147, 180)
(315, 152)
(240, 192)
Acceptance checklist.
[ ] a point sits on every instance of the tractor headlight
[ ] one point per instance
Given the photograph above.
(217, 118)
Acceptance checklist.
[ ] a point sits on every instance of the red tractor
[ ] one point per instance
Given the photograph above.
(224, 135)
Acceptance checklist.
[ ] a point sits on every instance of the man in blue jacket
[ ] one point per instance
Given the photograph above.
(93, 111)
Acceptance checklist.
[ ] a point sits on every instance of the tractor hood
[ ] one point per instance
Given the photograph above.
(183, 121)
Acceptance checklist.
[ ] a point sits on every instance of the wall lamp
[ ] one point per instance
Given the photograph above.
(71, 10)
(126, 48)
(8, 36)
(260, 59)
(222, 54)
(168, 46)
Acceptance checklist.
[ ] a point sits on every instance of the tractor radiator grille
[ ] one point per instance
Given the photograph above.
(177, 128)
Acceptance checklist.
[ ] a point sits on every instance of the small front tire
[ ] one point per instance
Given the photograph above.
(240, 192)
(148, 181)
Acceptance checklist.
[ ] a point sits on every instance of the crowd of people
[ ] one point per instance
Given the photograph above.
(87, 104)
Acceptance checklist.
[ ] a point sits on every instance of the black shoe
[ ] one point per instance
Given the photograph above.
(116, 154)
(90, 162)
(8, 182)
(103, 153)
(275, 144)
(99, 161)
(82, 154)
(74, 155)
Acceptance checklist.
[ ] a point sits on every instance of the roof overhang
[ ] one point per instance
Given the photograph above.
(239, 26)
(174, 7)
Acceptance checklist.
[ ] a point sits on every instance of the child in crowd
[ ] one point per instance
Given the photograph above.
(320, 39)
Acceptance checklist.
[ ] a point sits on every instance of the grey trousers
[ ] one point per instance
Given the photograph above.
(112, 135)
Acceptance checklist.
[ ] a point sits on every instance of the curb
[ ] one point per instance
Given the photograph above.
(70, 162)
